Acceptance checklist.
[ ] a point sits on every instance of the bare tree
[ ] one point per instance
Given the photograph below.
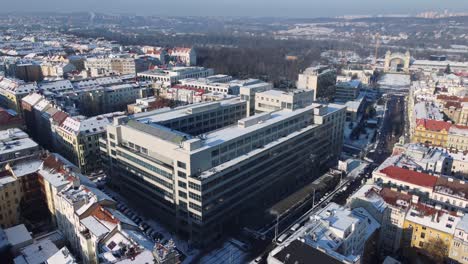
(436, 248)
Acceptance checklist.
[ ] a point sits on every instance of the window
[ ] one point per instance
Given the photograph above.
(423, 235)
(183, 194)
(182, 184)
(194, 196)
(112, 136)
(181, 164)
(194, 206)
(194, 186)
(182, 174)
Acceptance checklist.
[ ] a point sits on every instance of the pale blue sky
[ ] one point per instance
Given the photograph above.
(258, 8)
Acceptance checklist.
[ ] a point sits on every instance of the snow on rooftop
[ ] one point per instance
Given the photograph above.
(441, 220)
(11, 134)
(63, 256)
(26, 167)
(369, 193)
(165, 115)
(32, 99)
(94, 226)
(426, 110)
(463, 224)
(39, 252)
(17, 235)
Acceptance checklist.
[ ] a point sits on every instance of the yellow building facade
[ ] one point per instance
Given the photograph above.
(431, 132)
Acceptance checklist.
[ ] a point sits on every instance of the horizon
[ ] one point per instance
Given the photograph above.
(241, 8)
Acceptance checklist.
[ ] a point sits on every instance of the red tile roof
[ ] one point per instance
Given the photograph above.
(104, 215)
(409, 176)
(433, 125)
(59, 117)
(451, 98)
(455, 187)
(456, 105)
(391, 197)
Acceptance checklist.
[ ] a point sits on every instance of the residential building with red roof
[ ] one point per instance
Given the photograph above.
(10, 119)
(431, 132)
(449, 193)
(183, 55)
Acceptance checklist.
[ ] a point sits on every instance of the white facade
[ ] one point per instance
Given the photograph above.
(184, 154)
(173, 75)
(273, 100)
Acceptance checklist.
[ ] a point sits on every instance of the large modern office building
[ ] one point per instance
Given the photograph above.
(197, 166)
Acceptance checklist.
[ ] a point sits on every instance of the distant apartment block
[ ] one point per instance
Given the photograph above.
(347, 91)
(107, 66)
(321, 79)
(184, 56)
(173, 75)
(12, 91)
(274, 100)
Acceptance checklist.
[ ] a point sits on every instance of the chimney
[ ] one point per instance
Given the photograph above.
(76, 181)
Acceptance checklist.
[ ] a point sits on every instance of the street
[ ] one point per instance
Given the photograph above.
(390, 131)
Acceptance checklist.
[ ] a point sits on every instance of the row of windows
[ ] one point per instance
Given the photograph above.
(146, 165)
(195, 196)
(195, 186)
(147, 175)
(195, 207)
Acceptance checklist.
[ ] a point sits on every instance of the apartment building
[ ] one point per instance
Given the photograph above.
(199, 164)
(101, 100)
(389, 208)
(19, 192)
(59, 69)
(106, 66)
(343, 235)
(77, 138)
(431, 132)
(459, 248)
(458, 138)
(424, 224)
(59, 86)
(173, 75)
(451, 194)
(12, 91)
(214, 83)
(347, 91)
(248, 89)
(16, 145)
(433, 160)
(320, 79)
(89, 221)
(185, 56)
(274, 100)
(10, 119)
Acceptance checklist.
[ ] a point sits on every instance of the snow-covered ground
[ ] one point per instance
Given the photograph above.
(395, 82)
(362, 142)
